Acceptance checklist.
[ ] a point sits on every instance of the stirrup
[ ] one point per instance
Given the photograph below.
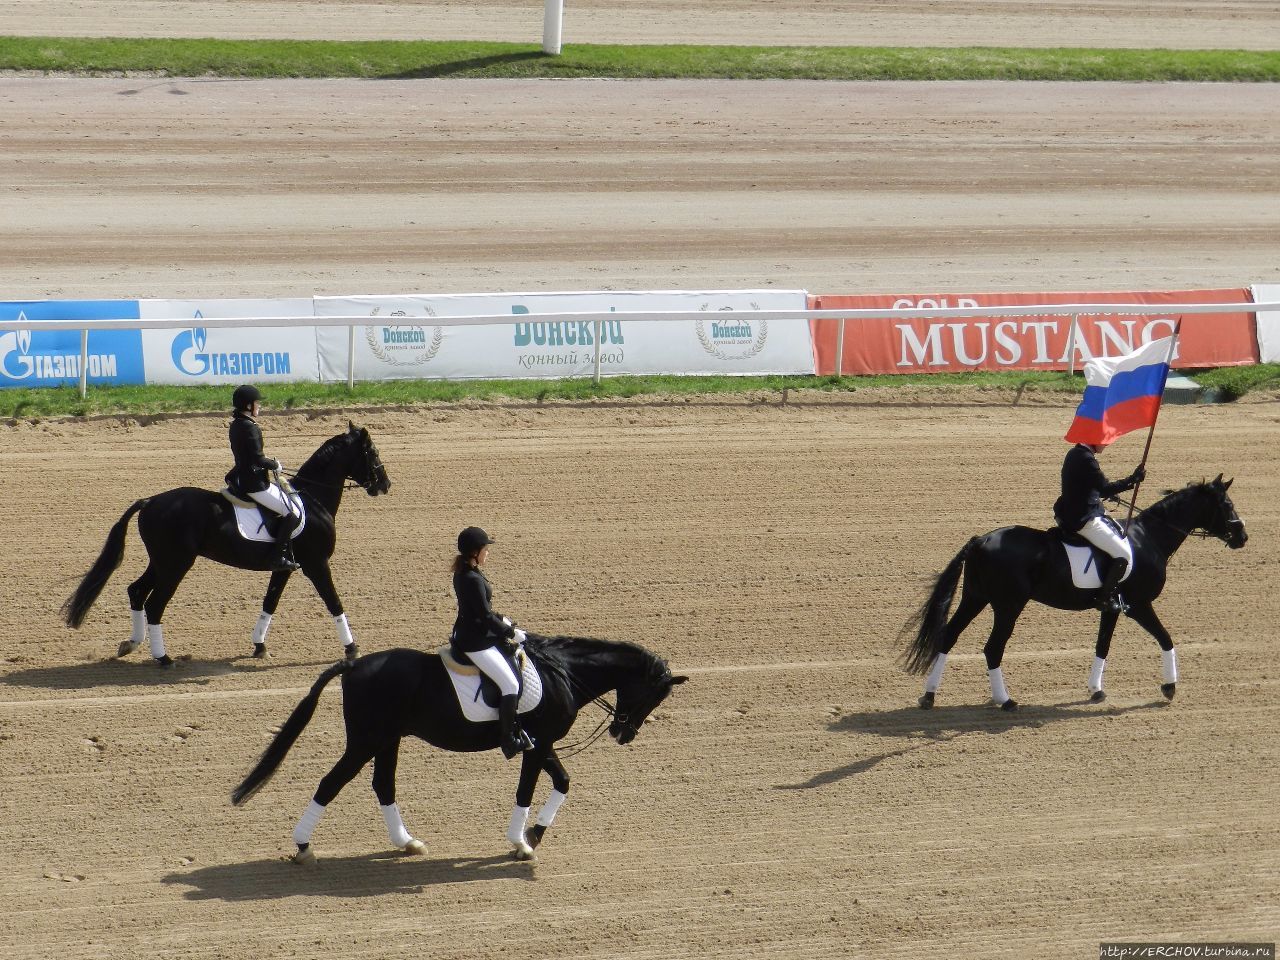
(1113, 604)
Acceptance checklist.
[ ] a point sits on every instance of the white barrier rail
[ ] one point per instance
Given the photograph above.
(598, 318)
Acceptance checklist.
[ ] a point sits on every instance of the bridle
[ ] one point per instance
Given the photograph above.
(372, 461)
(610, 713)
(1220, 511)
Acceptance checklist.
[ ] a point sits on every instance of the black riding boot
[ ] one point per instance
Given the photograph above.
(1109, 599)
(512, 739)
(284, 559)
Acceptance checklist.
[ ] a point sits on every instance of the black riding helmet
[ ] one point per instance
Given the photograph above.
(471, 540)
(245, 397)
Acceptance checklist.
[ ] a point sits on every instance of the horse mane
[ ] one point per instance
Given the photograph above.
(1172, 499)
(559, 655)
(326, 452)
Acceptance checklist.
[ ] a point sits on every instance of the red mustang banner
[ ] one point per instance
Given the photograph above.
(1041, 342)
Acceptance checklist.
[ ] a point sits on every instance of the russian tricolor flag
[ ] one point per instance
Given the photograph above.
(1121, 393)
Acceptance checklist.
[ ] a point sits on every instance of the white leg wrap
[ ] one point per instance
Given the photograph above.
(519, 817)
(344, 630)
(307, 823)
(934, 679)
(155, 633)
(1169, 665)
(139, 631)
(998, 692)
(395, 825)
(1095, 674)
(261, 627)
(547, 815)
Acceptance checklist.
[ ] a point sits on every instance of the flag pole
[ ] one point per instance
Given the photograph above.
(1151, 432)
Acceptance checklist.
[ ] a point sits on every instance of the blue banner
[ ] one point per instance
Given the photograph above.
(51, 358)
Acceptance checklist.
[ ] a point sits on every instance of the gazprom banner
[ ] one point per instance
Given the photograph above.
(401, 341)
(249, 354)
(1268, 322)
(51, 358)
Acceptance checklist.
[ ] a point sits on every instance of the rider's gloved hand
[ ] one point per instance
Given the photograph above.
(1138, 475)
(519, 636)
(278, 466)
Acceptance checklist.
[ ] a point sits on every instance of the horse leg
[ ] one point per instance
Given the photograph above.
(551, 806)
(343, 772)
(165, 587)
(138, 591)
(1145, 616)
(1006, 617)
(1106, 630)
(320, 576)
(964, 615)
(531, 762)
(384, 785)
(279, 580)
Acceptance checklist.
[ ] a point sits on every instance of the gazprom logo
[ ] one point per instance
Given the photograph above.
(191, 356)
(21, 366)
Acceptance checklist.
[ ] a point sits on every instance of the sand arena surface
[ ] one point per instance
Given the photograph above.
(790, 801)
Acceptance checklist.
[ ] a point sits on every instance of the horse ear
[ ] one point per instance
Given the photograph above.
(351, 427)
(1227, 486)
(678, 679)
(1217, 481)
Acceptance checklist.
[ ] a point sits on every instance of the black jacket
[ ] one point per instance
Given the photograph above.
(477, 626)
(249, 475)
(1083, 487)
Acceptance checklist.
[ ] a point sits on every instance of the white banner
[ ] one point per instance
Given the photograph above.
(401, 342)
(1268, 322)
(252, 354)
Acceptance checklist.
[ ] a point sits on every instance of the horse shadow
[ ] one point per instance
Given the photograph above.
(934, 728)
(364, 875)
(115, 672)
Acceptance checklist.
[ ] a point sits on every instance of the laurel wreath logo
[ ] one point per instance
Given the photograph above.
(387, 357)
(712, 348)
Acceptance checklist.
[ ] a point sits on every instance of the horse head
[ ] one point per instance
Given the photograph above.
(1223, 523)
(640, 697)
(365, 466)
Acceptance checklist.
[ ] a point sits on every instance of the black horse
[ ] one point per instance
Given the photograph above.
(397, 693)
(1008, 567)
(179, 525)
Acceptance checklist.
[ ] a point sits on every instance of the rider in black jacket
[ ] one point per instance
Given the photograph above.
(248, 478)
(1079, 510)
(479, 633)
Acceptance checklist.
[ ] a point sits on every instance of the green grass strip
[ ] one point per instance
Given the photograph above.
(420, 59)
(34, 404)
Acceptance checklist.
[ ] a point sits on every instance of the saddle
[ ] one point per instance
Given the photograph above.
(478, 695)
(1088, 564)
(256, 522)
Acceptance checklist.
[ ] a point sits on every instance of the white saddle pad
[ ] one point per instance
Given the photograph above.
(467, 687)
(1084, 571)
(249, 520)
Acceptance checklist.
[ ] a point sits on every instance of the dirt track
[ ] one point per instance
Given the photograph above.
(790, 802)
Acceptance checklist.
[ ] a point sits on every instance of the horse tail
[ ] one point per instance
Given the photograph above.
(77, 605)
(274, 755)
(930, 621)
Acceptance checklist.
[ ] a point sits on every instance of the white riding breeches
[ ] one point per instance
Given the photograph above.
(497, 668)
(1103, 536)
(272, 499)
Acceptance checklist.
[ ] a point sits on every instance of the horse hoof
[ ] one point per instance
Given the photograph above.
(260, 652)
(522, 851)
(305, 857)
(1009, 705)
(127, 647)
(351, 652)
(1168, 689)
(164, 662)
(415, 848)
(1097, 696)
(926, 702)
(533, 836)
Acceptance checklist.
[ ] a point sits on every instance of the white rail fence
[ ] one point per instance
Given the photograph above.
(599, 318)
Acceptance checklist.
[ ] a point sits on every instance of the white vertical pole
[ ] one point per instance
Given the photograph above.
(599, 350)
(84, 364)
(1071, 345)
(840, 347)
(351, 357)
(552, 23)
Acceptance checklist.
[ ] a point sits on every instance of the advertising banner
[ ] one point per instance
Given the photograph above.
(251, 354)
(51, 358)
(1268, 322)
(1041, 342)
(401, 341)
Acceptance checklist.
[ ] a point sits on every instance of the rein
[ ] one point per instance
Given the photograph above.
(345, 485)
(610, 712)
(1202, 534)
